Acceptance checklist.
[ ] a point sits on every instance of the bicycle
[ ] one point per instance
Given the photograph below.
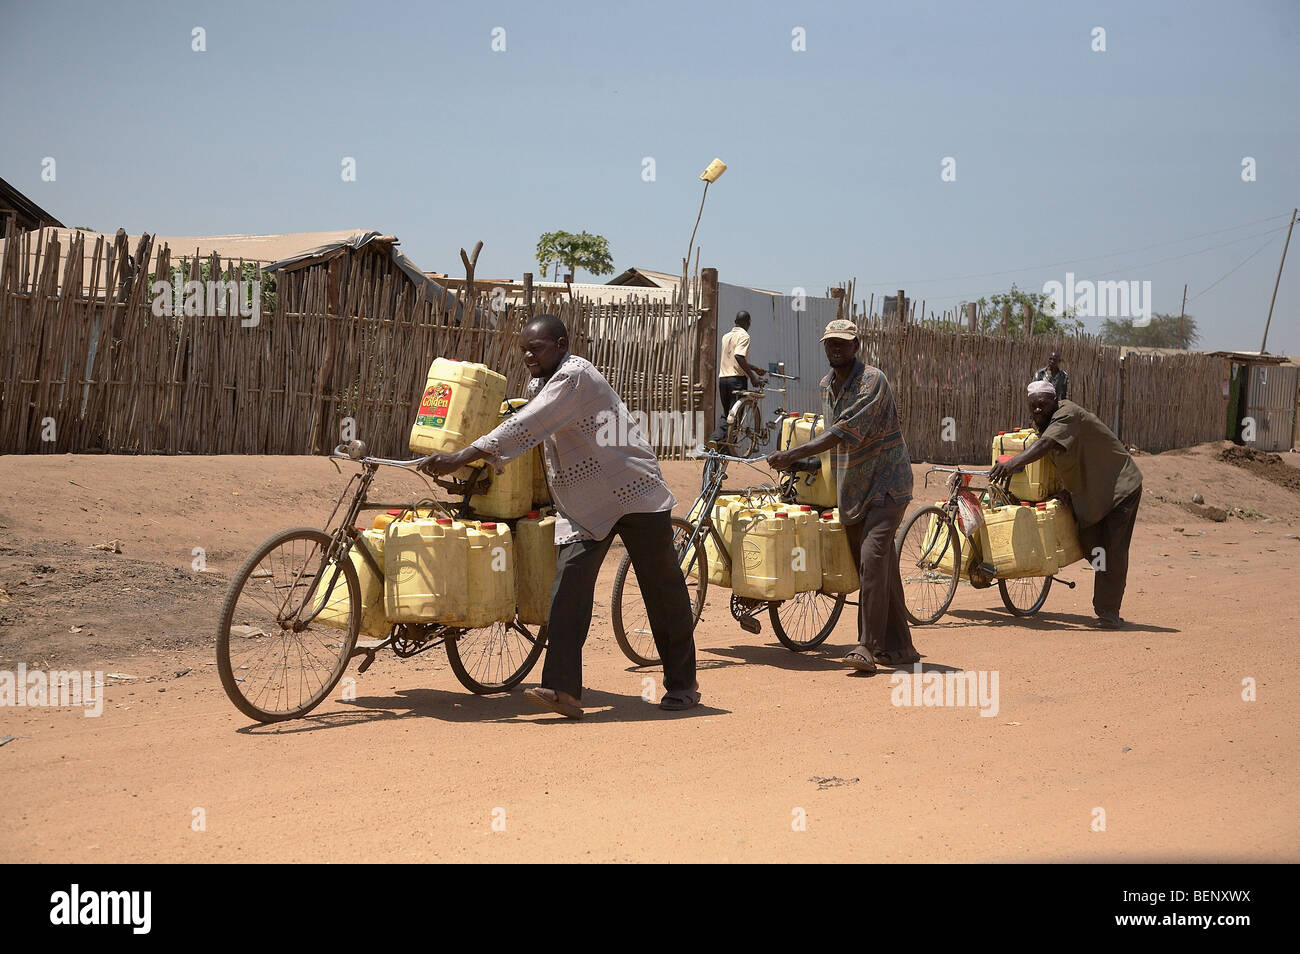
(746, 432)
(929, 547)
(275, 665)
(800, 624)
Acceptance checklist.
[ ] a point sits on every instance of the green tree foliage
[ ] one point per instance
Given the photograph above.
(1046, 321)
(1162, 332)
(576, 250)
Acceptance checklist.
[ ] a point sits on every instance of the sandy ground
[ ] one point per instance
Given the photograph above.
(790, 758)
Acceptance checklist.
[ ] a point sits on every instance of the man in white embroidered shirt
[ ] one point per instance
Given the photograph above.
(601, 486)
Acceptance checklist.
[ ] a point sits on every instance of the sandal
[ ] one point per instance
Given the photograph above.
(549, 699)
(859, 660)
(894, 661)
(678, 699)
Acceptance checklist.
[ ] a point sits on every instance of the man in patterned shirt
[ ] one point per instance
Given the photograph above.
(873, 479)
(604, 479)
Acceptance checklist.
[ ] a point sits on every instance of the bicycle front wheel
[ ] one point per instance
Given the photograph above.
(929, 558)
(276, 656)
(627, 606)
(495, 658)
(745, 431)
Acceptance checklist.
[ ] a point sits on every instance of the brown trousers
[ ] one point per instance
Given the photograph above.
(1112, 534)
(882, 624)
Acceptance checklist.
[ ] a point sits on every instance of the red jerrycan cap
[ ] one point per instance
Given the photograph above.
(487, 526)
(1042, 506)
(1003, 458)
(532, 515)
(444, 521)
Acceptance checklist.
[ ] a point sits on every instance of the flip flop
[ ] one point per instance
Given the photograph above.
(549, 699)
(858, 660)
(679, 699)
(887, 659)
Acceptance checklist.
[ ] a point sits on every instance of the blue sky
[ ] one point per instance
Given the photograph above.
(1062, 154)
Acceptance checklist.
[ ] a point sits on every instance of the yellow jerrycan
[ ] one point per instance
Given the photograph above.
(490, 576)
(1038, 479)
(936, 542)
(374, 623)
(535, 562)
(511, 493)
(424, 570)
(1046, 537)
(839, 573)
(762, 545)
(1009, 540)
(724, 518)
(806, 554)
(821, 492)
(460, 403)
(1066, 531)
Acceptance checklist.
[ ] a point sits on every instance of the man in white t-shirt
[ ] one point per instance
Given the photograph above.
(735, 373)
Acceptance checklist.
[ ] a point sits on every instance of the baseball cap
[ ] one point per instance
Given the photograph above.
(841, 328)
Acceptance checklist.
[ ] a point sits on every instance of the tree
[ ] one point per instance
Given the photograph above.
(1046, 321)
(580, 250)
(1162, 332)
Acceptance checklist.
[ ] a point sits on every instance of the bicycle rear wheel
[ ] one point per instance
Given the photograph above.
(929, 558)
(275, 661)
(495, 658)
(807, 620)
(1025, 596)
(627, 606)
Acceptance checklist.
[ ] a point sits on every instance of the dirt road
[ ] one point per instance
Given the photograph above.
(1132, 745)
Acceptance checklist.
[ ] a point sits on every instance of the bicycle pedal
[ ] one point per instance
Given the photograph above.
(750, 625)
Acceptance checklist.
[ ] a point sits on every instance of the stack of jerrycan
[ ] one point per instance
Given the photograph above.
(1038, 479)
(940, 550)
(460, 403)
(511, 493)
(799, 429)
(336, 612)
(762, 542)
(535, 562)
(806, 553)
(839, 573)
(1010, 541)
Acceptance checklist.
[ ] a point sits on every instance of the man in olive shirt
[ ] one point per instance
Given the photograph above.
(1104, 485)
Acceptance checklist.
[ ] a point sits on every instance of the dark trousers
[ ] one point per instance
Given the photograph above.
(727, 390)
(1112, 533)
(649, 540)
(882, 624)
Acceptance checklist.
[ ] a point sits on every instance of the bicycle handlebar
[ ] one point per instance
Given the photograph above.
(356, 451)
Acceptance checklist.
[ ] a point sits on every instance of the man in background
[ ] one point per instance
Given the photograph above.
(1055, 376)
(735, 373)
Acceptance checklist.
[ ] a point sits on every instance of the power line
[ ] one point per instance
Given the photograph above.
(1231, 270)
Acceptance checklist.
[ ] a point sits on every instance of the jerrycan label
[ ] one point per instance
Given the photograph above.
(433, 406)
(752, 556)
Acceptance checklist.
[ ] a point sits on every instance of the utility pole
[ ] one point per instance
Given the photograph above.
(1278, 281)
(1181, 312)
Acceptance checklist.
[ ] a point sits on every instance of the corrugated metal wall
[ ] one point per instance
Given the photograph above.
(1271, 401)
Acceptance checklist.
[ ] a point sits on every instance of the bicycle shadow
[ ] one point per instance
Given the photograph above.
(453, 706)
(1044, 621)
